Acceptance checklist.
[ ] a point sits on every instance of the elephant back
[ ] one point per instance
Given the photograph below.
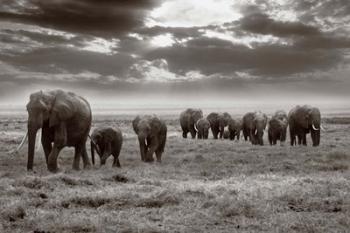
(213, 119)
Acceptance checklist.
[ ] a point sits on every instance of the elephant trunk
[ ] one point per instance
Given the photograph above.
(143, 147)
(92, 144)
(31, 146)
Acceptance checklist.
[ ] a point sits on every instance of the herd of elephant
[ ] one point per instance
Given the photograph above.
(301, 121)
(65, 121)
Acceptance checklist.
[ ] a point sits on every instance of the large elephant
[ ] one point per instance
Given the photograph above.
(202, 126)
(151, 132)
(188, 119)
(64, 119)
(106, 141)
(303, 120)
(218, 122)
(254, 125)
(277, 128)
(234, 128)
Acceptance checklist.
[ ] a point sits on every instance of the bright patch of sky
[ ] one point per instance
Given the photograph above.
(248, 40)
(100, 45)
(164, 40)
(184, 13)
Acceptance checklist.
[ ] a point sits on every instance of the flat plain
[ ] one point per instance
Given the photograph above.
(200, 186)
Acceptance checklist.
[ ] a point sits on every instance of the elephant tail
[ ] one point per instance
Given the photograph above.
(92, 152)
(93, 147)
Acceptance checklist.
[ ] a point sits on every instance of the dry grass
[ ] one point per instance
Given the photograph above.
(201, 186)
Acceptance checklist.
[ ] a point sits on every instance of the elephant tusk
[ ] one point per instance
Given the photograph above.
(38, 142)
(195, 127)
(20, 145)
(314, 128)
(322, 128)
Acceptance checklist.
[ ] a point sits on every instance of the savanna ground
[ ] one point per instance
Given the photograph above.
(200, 186)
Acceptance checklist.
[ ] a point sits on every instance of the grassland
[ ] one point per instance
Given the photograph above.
(201, 186)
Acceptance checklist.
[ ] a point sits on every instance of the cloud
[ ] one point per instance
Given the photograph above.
(194, 13)
(263, 24)
(53, 60)
(217, 56)
(103, 18)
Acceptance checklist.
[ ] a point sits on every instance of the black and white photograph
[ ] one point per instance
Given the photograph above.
(171, 116)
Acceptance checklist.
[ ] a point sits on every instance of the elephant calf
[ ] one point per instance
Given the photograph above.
(202, 126)
(106, 141)
(277, 129)
(151, 132)
(234, 128)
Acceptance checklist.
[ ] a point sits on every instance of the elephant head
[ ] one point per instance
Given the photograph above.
(309, 119)
(196, 114)
(96, 140)
(42, 109)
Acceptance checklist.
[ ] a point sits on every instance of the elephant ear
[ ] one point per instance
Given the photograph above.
(62, 109)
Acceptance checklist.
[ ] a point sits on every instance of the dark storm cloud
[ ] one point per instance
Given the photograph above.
(263, 24)
(212, 56)
(101, 18)
(53, 60)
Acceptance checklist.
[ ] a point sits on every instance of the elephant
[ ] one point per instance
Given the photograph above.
(234, 128)
(64, 119)
(246, 121)
(254, 124)
(303, 120)
(218, 122)
(151, 132)
(188, 119)
(202, 127)
(106, 141)
(277, 129)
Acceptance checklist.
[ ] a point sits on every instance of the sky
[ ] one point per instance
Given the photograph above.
(153, 53)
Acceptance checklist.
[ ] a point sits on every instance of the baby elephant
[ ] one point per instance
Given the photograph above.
(202, 127)
(278, 127)
(106, 141)
(234, 128)
(151, 132)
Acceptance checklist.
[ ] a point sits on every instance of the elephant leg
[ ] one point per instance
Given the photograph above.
(193, 132)
(116, 162)
(304, 139)
(232, 134)
(270, 138)
(77, 154)
(52, 159)
(60, 140)
(184, 133)
(159, 155)
(299, 139)
(86, 161)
